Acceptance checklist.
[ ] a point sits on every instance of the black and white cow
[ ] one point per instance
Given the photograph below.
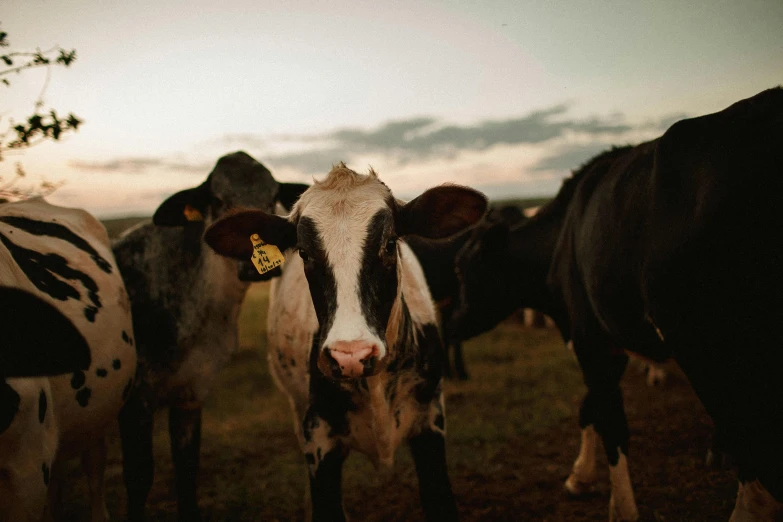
(656, 248)
(353, 337)
(186, 301)
(438, 260)
(64, 288)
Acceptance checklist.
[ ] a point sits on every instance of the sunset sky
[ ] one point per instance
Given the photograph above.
(507, 97)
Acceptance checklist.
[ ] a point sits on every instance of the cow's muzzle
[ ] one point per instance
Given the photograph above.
(349, 360)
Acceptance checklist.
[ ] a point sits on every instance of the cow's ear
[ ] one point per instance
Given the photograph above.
(288, 193)
(441, 212)
(38, 340)
(230, 236)
(183, 208)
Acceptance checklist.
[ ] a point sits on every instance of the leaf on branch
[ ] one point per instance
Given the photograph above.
(7, 59)
(73, 122)
(66, 57)
(40, 59)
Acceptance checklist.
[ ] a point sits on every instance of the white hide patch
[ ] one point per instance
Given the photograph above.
(583, 473)
(414, 287)
(341, 217)
(319, 445)
(622, 504)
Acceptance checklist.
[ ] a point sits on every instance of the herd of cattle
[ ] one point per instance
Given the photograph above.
(669, 249)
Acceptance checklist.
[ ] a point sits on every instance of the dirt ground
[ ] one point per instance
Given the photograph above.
(512, 438)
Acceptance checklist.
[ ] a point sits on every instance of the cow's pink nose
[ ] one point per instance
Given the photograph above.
(351, 359)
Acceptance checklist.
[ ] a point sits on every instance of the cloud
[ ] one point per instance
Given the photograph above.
(570, 158)
(406, 141)
(422, 138)
(428, 137)
(139, 165)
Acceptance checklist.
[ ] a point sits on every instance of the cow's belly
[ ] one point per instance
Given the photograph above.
(189, 386)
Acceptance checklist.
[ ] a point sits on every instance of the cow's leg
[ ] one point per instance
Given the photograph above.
(583, 473)
(53, 508)
(603, 409)
(459, 362)
(136, 423)
(429, 455)
(324, 455)
(446, 356)
(94, 465)
(326, 485)
(185, 435)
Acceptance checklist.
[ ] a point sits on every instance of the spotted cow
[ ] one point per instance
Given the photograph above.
(186, 302)
(353, 338)
(671, 249)
(64, 288)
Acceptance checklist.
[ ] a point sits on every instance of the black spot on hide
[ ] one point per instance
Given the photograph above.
(83, 397)
(77, 380)
(41, 406)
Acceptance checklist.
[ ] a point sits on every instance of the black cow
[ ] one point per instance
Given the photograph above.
(673, 249)
(185, 301)
(438, 260)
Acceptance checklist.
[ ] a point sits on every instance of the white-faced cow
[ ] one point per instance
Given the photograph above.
(673, 249)
(185, 301)
(65, 295)
(353, 337)
(438, 259)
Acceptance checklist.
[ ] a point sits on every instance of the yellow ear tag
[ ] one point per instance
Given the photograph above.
(192, 214)
(265, 257)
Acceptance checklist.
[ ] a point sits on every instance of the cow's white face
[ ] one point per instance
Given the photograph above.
(346, 228)
(347, 239)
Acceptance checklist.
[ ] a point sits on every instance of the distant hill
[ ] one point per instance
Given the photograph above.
(117, 225)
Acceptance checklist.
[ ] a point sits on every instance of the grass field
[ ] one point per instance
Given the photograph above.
(512, 437)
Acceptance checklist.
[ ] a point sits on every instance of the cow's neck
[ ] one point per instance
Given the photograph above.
(532, 249)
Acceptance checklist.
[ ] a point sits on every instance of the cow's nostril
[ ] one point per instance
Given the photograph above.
(349, 359)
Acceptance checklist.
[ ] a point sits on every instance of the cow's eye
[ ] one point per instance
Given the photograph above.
(304, 255)
(391, 246)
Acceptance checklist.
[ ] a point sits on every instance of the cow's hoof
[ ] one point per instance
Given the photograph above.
(575, 487)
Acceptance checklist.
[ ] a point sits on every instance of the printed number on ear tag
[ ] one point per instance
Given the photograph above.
(265, 257)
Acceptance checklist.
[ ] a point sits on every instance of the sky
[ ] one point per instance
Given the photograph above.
(507, 97)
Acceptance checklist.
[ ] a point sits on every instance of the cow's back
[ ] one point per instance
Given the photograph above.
(716, 247)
